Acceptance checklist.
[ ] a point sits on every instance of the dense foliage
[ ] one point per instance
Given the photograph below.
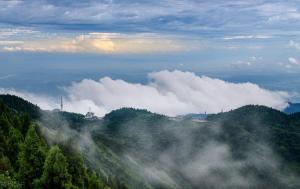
(280, 130)
(135, 149)
(27, 161)
(248, 131)
(20, 105)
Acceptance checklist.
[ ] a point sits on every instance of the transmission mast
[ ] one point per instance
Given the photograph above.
(61, 104)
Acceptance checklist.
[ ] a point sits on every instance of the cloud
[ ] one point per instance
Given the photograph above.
(99, 43)
(7, 32)
(6, 76)
(188, 20)
(7, 42)
(294, 45)
(291, 63)
(255, 58)
(252, 61)
(167, 92)
(279, 11)
(288, 66)
(293, 60)
(153, 16)
(241, 64)
(247, 37)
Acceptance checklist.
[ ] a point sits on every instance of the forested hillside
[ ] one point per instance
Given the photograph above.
(27, 161)
(250, 147)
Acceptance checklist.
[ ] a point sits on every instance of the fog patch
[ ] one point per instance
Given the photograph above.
(198, 158)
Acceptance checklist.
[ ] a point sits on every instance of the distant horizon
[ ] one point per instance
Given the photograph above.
(67, 43)
(178, 93)
(190, 115)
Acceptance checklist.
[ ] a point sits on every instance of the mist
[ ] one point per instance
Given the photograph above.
(203, 160)
(173, 154)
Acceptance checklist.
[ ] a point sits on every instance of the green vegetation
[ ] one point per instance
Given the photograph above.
(21, 106)
(137, 149)
(257, 123)
(27, 161)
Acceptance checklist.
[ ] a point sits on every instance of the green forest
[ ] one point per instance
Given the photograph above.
(250, 147)
(27, 161)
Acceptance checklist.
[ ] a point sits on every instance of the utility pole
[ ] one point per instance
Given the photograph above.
(61, 104)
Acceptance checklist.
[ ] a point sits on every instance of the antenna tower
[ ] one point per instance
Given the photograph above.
(61, 104)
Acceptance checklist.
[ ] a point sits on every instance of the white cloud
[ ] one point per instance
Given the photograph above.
(170, 93)
(247, 37)
(293, 60)
(6, 76)
(16, 32)
(279, 11)
(292, 63)
(241, 64)
(294, 45)
(99, 43)
(8, 42)
(255, 58)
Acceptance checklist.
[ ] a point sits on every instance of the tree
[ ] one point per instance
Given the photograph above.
(31, 157)
(77, 170)
(5, 124)
(94, 182)
(6, 182)
(4, 164)
(17, 123)
(55, 174)
(26, 123)
(14, 140)
(4, 130)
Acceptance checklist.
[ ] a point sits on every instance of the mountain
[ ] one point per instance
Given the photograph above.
(250, 147)
(292, 108)
(243, 140)
(280, 130)
(20, 105)
(28, 159)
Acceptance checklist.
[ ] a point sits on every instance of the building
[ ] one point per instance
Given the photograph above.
(90, 115)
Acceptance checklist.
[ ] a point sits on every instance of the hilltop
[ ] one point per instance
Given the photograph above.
(249, 147)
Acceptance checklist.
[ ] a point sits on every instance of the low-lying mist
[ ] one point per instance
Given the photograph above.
(147, 148)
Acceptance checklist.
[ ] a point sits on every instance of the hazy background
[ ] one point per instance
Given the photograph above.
(43, 51)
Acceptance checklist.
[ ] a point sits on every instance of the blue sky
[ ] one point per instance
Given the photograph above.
(46, 44)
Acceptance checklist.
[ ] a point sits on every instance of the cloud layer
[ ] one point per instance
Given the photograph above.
(167, 15)
(167, 92)
(97, 43)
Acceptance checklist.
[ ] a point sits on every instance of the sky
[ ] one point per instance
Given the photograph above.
(46, 46)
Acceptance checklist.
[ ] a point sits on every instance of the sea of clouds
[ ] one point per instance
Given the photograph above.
(167, 92)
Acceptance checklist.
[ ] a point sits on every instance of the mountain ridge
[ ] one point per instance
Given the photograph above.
(139, 149)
